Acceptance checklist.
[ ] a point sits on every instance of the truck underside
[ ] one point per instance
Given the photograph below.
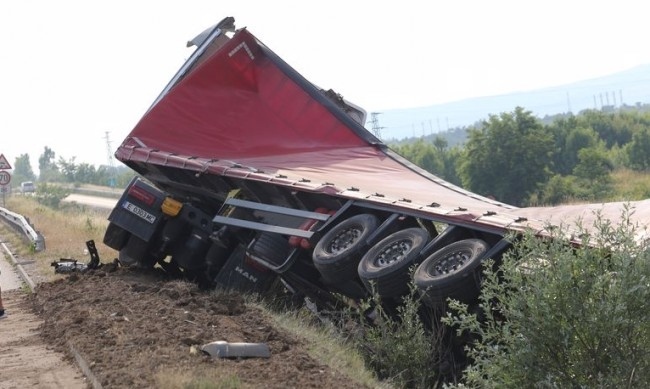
(251, 176)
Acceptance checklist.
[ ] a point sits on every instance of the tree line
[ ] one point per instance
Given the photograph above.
(516, 158)
(512, 156)
(61, 170)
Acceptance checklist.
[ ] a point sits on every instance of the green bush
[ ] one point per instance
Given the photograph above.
(398, 346)
(51, 195)
(562, 317)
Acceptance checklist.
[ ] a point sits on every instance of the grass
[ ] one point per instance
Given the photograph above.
(199, 378)
(65, 230)
(630, 185)
(326, 344)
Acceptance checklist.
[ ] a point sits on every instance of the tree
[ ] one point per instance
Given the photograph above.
(576, 140)
(68, 169)
(451, 159)
(422, 154)
(558, 189)
(612, 128)
(87, 174)
(49, 171)
(594, 169)
(440, 143)
(46, 160)
(508, 157)
(638, 150)
(23, 169)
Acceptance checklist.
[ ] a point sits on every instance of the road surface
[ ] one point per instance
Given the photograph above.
(25, 359)
(92, 201)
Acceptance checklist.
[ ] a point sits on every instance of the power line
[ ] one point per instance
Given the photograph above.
(374, 121)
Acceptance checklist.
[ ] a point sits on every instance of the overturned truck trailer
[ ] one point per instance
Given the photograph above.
(251, 175)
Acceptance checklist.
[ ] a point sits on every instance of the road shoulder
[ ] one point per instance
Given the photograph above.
(25, 358)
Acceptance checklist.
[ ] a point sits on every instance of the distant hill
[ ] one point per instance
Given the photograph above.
(626, 88)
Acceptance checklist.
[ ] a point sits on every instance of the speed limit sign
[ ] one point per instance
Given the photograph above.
(5, 177)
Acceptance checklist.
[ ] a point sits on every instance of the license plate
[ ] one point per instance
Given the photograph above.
(134, 209)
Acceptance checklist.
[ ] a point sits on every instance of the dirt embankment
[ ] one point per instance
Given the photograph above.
(138, 330)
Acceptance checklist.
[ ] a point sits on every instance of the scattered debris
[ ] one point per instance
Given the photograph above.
(68, 266)
(223, 349)
(65, 265)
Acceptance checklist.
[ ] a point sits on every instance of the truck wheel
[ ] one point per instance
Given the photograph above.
(115, 237)
(385, 267)
(337, 253)
(451, 272)
(135, 253)
(125, 259)
(146, 262)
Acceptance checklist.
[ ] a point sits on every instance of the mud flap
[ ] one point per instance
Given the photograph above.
(244, 274)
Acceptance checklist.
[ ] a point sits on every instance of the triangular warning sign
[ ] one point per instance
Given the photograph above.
(4, 164)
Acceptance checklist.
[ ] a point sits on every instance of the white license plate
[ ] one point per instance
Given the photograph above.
(134, 209)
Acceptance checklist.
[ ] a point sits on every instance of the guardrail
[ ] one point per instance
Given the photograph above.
(20, 223)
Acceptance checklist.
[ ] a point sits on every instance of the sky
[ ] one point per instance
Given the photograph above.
(77, 75)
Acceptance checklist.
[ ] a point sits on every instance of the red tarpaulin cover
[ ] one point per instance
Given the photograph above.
(243, 112)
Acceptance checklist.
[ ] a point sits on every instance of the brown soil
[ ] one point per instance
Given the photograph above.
(139, 330)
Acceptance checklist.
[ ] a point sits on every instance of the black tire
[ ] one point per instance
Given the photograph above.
(451, 272)
(115, 237)
(135, 253)
(125, 259)
(385, 267)
(338, 252)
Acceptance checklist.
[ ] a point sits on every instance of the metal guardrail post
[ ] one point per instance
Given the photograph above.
(20, 223)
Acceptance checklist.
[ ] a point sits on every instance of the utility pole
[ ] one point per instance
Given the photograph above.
(620, 94)
(374, 120)
(112, 180)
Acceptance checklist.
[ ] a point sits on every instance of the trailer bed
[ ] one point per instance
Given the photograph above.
(237, 110)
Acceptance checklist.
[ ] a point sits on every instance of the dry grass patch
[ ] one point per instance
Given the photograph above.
(65, 230)
(213, 377)
(630, 185)
(326, 344)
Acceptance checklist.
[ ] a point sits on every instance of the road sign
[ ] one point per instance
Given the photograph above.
(5, 177)
(4, 164)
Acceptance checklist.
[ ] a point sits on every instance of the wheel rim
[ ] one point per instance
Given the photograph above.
(394, 253)
(451, 263)
(344, 240)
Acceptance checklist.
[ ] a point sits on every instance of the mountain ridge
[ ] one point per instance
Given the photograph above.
(626, 88)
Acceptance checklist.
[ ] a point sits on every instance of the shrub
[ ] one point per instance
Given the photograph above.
(397, 345)
(557, 316)
(51, 195)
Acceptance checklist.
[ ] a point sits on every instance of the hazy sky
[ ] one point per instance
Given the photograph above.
(73, 70)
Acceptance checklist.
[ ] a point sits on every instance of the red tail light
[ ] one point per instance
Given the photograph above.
(140, 194)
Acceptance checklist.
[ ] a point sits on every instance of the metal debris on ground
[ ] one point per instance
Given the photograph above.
(223, 349)
(65, 265)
